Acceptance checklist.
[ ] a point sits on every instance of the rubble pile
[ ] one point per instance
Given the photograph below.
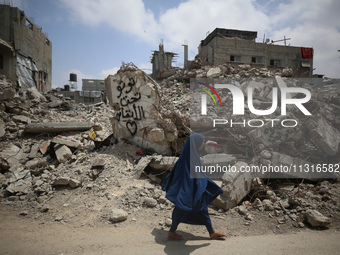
(57, 155)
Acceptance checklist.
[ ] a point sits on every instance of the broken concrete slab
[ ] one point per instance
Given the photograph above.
(11, 156)
(235, 185)
(324, 135)
(162, 164)
(57, 127)
(98, 163)
(156, 135)
(73, 183)
(34, 94)
(62, 152)
(136, 101)
(272, 133)
(216, 161)
(282, 85)
(141, 165)
(68, 141)
(61, 181)
(37, 162)
(7, 94)
(317, 219)
(20, 181)
(21, 119)
(285, 166)
(34, 151)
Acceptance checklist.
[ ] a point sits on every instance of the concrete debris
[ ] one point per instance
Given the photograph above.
(235, 187)
(136, 100)
(317, 219)
(20, 182)
(68, 141)
(118, 215)
(57, 127)
(46, 151)
(63, 153)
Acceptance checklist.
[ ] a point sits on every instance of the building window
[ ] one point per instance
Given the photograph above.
(1, 62)
(29, 24)
(274, 62)
(305, 64)
(256, 60)
(47, 42)
(235, 58)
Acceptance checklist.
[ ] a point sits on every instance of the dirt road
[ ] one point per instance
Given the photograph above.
(20, 235)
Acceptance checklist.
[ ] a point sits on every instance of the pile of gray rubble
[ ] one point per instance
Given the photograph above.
(122, 151)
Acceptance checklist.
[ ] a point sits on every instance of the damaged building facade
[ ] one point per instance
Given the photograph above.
(162, 63)
(239, 47)
(25, 51)
(93, 91)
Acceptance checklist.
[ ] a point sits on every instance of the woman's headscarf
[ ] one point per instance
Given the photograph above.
(187, 189)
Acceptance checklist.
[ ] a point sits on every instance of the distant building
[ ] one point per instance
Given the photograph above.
(25, 51)
(93, 91)
(162, 63)
(239, 47)
(93, 84)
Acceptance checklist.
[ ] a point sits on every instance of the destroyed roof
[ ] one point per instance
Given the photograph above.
(247, 35)
(7, 44)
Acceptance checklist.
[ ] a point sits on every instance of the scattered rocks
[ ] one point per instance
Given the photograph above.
(317, 219)
(118, 215)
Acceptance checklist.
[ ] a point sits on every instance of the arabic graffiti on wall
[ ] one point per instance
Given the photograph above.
(129, 111)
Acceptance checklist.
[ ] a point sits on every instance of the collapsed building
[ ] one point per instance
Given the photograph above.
(25, 51)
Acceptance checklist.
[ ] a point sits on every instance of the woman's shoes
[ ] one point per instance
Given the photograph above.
(174, 236)
(217, 235)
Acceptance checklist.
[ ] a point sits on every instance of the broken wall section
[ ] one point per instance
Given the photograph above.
(137, 117)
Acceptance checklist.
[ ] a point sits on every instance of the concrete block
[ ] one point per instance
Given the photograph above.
(37, 162)
(21, 119)
(63, 153)
(74, 183)
(61, 181)
(214, 72)
(156, 135)
(136, 103)
(235, 185)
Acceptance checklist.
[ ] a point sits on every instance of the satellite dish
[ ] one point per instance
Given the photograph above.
(267, 40)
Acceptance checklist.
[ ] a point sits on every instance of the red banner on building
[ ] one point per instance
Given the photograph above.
(307, 52)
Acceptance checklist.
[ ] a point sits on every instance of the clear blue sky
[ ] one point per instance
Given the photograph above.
(92, 37)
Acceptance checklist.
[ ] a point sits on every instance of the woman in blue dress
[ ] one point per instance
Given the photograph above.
(190, 191)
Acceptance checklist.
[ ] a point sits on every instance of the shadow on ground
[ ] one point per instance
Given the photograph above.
(178, 247)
